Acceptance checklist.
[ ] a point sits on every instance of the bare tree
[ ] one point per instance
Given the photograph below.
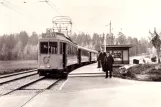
(156, 43)
(121, 39)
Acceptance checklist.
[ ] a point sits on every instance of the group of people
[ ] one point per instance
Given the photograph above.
(105, 60)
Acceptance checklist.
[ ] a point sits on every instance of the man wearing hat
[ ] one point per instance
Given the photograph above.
(101, 57)
(98, 60)
(108, 63)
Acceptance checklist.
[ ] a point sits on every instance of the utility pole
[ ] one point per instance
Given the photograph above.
(110, 32)
(105, 43)
(109, 35)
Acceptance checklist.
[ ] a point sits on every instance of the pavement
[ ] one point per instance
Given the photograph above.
(87, 87)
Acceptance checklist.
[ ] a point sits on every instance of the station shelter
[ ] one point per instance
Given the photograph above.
(120, 53)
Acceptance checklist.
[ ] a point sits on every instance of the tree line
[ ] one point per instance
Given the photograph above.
(18, 46)
(94, 42)
(22, 46)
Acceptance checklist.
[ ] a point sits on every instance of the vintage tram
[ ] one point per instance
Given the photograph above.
(58, 54)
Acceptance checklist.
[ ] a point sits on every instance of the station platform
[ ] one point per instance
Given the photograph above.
(87, 70)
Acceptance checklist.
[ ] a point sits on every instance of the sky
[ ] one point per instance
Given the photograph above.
(133, 17)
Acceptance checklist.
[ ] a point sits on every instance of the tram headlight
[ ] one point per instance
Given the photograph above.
(42, 66)
(48, 66)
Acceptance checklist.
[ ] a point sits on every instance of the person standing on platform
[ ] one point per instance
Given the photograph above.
(98, 60)
(108, 64)
(101, 57)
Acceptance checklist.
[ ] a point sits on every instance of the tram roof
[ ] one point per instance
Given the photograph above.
(51, 35)
(91, 50)
(118, 46)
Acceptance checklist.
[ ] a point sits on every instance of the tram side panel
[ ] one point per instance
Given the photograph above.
(85, 57)
(93, 57)
(72, 57)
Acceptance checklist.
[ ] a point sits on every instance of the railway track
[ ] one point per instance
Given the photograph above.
(34, 82)
(13, 77)
(24, 85)
(17, 73)
(42, 90)
(11, 86)
(40, 85)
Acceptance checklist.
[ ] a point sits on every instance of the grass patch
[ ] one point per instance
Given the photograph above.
(16, 66)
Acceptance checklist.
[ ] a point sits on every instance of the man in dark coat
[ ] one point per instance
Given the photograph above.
(101, 57)
(108, 64)
(98, 60)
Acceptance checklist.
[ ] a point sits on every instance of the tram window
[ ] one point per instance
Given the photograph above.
(85, 53)
(75, 50)
(69, 49)
(72, 50)
(81, 52)
(43, 47)
(53, 47)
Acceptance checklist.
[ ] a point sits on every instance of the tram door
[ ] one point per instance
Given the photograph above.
(64, 55)
(79, 56)
(90, 57)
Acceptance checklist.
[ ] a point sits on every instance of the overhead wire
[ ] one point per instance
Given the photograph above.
(55, 7)
(51, 5)
(10, 8)
(35, 20)
(11, 3)
(21, 1)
